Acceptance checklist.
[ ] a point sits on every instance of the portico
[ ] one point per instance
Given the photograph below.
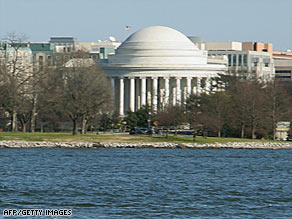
(157, 92)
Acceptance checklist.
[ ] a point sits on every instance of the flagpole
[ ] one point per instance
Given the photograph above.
(127, 28)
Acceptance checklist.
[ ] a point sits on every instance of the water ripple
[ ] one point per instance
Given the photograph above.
(146, 183)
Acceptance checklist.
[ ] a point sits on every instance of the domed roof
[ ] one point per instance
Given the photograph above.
(158, 45)
(161, 35)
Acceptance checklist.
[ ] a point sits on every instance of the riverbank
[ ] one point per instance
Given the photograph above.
(79, 145)
(118, 137)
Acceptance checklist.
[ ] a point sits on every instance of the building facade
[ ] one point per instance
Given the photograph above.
(248, 64)
(257, 46)
(158, 66)
(248, 60)
(283, 65)
(18, 57)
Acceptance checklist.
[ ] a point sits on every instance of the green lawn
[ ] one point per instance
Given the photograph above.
(113, 137)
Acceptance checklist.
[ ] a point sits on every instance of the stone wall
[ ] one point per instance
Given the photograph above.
(76, 145)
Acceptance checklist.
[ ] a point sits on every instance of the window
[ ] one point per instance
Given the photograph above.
(266, 64)
(283, 76)
(283, 71)
(41, 59)
(255, 64)
(49, 60)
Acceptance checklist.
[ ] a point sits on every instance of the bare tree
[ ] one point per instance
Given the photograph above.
(277, 104)
(15, 75)
(170, 116)
(80, 92)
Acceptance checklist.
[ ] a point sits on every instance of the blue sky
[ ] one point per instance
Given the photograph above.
(91, 20)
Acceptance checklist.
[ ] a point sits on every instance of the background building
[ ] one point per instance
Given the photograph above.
(242, 59)
(100, 49)
(257, 46)
(64, 44)
(42, 54)
(17, 57)
(283, 65)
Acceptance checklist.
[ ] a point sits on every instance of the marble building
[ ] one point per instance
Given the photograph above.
(158, 66)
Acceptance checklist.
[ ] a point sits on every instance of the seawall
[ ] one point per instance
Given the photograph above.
(76, 145)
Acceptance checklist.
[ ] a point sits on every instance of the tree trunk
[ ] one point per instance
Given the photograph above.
(242, 130)
(219, 133)
(84, 125)
(166, 133)
(14, 122)
(253, 136)
(24, 125)
(75, 127)
(42, 126)
(32, 126)
(33, 116)
(194, 136)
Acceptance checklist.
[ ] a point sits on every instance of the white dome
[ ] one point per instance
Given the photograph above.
(158, 45)
(157, 36)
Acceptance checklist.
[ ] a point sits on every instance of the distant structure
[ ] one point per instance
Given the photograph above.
(248, 60)
(282, 131)
(64, 43)
(283, 65)
(42, 53)
(158, 66)
(257, 46)
(18, 58)
(100, 49)
(282, 59)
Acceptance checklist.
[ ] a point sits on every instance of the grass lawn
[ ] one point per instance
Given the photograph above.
(113, 137)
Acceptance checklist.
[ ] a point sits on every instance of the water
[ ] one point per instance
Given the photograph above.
(147, 183)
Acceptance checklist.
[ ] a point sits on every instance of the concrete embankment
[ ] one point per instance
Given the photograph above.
(235, 145)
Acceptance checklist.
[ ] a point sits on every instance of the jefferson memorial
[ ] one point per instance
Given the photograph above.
(158, 66)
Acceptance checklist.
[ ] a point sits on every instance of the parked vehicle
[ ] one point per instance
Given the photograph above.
(134, 131)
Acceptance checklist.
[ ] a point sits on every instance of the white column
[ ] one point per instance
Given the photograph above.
(166, 92)
(178, 91)
(174, 96)
(195, 90)
(143, 91)
(208, 85)
(121, 96)
(185, 94)
(139, 102)
(154, 93)
(137, 94)
(189, 86)
(132, 94)
(198, 85)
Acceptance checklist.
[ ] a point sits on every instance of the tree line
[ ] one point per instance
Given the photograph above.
(51, 95)
(244, 108)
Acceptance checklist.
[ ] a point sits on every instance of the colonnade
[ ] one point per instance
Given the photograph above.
(131, 93)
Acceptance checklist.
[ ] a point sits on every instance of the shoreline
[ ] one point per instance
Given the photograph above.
(167, 145)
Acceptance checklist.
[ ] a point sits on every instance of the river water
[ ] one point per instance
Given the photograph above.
(147, 183)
